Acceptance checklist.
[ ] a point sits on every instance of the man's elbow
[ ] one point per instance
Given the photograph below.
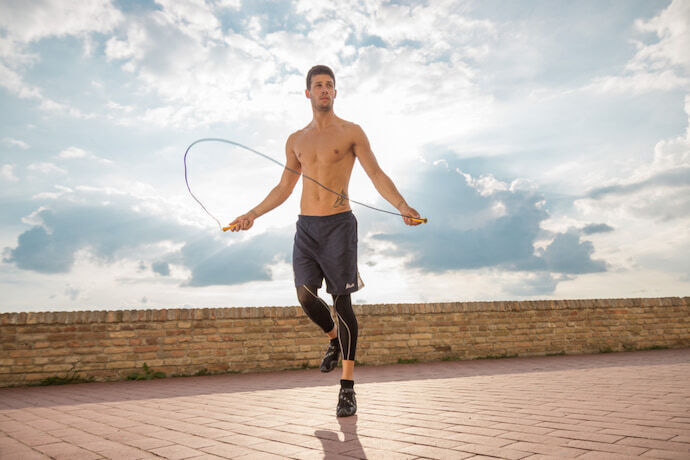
(284, 191)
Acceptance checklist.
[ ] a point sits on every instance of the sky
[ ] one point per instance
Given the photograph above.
(547, 142)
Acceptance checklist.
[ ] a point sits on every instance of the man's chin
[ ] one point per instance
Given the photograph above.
(324, 107)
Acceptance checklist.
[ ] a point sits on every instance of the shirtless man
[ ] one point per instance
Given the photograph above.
(326, 237)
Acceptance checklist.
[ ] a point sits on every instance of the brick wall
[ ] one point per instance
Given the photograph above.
(109, 345)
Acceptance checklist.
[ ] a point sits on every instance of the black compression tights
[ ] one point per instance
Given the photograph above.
(317, 310)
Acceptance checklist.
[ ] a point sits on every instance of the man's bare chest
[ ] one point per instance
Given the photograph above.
(323, 148)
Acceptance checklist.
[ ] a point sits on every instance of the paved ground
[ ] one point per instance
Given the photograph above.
(608, 406)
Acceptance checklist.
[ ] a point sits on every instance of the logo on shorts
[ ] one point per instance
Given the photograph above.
(349, 285)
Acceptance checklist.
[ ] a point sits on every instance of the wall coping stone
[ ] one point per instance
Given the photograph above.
(173, 314)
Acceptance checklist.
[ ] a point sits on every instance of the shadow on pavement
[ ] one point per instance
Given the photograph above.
(332, 445)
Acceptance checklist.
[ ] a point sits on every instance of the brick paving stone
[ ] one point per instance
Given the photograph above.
(536, 438)
(481, 440)
(124, 453)
(543, 457)
(227, 450)
(547, 449)
(11, 426)
(382, 444)
(481, 457)
(436, 452)
(568, 427)
(34, 437)
(522, 428)
(44, 425)
(102, 445)
(682, 438)
(184, 439)
(606, 447)
(410, 438)
(681, 419)
(469, 429)
(11, 449)
(176, 452)
(654, 444)
(240, 440)
(208, 457)
(499, 452)
(311, 454)
(65, 451)
(592, 455)
(631, 431)
(666, 454)
(370, 453)
(586, 436)
(278, 448)
(147, 443)
(260, 456)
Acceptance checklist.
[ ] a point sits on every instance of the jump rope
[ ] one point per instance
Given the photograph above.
(249, 149)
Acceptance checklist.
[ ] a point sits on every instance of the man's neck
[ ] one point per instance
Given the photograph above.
(323, 120)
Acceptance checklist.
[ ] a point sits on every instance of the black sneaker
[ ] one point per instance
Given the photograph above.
(347, 404)
(330, 359)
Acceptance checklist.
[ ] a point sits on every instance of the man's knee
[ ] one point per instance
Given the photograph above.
(314, 307)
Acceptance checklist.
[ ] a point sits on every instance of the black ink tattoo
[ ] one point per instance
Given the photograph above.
(340, 201)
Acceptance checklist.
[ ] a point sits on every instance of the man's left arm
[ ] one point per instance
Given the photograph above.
(384, 185)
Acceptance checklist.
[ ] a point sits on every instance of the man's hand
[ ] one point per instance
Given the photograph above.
(405, 210)
(243, 222)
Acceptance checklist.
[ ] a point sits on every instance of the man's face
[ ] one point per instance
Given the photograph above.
(322, 92)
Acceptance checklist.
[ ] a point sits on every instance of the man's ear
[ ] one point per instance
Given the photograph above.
(335, 93)
(306, 93)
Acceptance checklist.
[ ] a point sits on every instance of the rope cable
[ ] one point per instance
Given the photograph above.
(237, 144)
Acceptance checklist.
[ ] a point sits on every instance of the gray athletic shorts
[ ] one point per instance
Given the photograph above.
(326, 247)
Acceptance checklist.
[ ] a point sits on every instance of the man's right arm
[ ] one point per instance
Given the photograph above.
(277, 195)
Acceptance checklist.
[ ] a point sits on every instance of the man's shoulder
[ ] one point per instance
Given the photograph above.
(295, 135)
(351, 129)
(346, 124)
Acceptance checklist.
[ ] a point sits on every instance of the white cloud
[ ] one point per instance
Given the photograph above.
(638, 82)
(663, 65)
(649, 210)
(7, 173)
(31, 21)
(15, 84)
(118, 49)
(195, 18)
(205, 77)
(75, 152)
(61, 192)
(486, 185)
(16, 142)
(34, 219)
(231, 4)
(26, 22)
(46, 168)
(672, 26)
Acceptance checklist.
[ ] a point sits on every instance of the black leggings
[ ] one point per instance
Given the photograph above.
(317, 310)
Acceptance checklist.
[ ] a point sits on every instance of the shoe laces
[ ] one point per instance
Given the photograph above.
(332, 350)
(347, 395)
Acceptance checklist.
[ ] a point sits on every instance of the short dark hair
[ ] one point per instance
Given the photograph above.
(319, 70)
